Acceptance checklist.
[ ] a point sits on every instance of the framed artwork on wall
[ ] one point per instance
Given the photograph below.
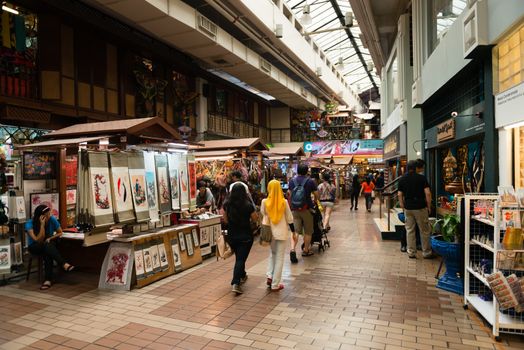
(189, 244)
(39, 165)
(49, 199)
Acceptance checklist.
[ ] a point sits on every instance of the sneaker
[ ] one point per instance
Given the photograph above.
(403, 249)
(236, 289)
(351, 208)
(293, 257)
(356, 208)
(243, 280)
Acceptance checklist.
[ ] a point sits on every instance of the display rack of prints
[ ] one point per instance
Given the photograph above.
(5, 256)
(174, 179)
(101, 198)
(491, 268)
(189, 244)
(184, 183)
(137, 175)
(117, 267)
(152, 193)
(121, 187)
(162, 175)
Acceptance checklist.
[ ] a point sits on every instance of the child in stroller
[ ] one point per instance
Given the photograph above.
(319, 233)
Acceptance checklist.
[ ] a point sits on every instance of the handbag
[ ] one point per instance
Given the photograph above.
(266, 235)
(223, 250)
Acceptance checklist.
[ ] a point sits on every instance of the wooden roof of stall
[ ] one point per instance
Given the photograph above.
(154, 128)
(286, 151)
(251, 144)
(217, 153)
(51, 144)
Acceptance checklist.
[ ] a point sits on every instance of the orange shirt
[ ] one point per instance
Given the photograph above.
(368, 188)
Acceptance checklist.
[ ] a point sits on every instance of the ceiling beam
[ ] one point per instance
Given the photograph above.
(340, 16)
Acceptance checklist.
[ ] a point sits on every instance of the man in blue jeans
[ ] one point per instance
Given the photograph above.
(302, 215)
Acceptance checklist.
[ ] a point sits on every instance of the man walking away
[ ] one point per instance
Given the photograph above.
(415, 199)
(355, 192)
(301, 187)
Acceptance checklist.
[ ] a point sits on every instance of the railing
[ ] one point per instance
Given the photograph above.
(225, 126)
(390, 194)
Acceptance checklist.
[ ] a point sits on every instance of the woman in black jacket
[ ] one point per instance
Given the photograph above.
(239, 211)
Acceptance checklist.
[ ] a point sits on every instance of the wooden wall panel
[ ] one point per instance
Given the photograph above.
(68, 91)
(99, 98)
(50, 85)
(67, 51)
(112, 101)
(84, 95)
(112, 67)
(130, 105)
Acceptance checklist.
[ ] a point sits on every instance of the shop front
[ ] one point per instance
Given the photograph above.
(508, 88)
(456, 160)
(395, 154)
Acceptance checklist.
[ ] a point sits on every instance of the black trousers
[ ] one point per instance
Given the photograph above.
(241, 248)
(354, 200)
(369, 200)
(50, 253)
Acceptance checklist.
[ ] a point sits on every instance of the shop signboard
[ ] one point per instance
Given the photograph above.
(446, 130)
(345, 147)
(395, 143)
(464, 127)
(508, 106)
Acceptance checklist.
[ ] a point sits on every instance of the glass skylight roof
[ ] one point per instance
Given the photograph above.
(337, 44)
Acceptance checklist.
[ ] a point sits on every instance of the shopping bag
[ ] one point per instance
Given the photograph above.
(223, 250)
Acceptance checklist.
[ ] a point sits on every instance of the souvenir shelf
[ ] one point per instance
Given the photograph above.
(484, 233)
(209, 228)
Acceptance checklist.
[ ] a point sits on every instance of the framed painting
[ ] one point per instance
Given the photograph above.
(71, 167)
(195, 236)
(5, 257)
(40, 165)
(189, 245)
(49, 199)
(139, 264)
(176, 253)
(182, 241)
(117, 267)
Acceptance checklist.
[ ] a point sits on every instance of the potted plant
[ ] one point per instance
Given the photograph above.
(447, 245)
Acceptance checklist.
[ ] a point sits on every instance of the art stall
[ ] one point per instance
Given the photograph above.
(118, 198)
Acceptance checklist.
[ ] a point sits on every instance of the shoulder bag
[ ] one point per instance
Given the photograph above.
(224, 250)
(266, 235)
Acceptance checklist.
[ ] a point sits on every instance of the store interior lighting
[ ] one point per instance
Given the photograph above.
(419, 153)
(10, 9)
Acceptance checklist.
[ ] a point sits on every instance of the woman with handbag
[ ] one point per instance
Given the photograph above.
(277, 215)
(239, 211)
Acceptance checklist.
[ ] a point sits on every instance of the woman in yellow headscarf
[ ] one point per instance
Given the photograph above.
(277, 214)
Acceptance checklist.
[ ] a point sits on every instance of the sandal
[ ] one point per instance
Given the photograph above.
(46, 285)
(269, 281)
(308, 253)
(69, 268)
(280, 287)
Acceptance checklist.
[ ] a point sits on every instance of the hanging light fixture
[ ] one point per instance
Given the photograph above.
(340, 63)
(306, 18)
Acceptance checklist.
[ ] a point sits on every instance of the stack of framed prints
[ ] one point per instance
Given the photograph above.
(159, 254)
(207, 232)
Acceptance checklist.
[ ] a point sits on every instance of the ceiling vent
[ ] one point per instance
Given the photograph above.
(207, 27)
(265, 66)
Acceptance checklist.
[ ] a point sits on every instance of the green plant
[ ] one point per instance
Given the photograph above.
(448, 227)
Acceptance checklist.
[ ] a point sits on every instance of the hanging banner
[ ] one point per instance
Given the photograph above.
(184, 183)
(121, 187)
(152, 193)
(138, 186)
(173, 160)
(162, 177)
(101, 207)
(345, 147)
(191, 165)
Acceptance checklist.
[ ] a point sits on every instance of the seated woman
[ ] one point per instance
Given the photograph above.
(42, 230)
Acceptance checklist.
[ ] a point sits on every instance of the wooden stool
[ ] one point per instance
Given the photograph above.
(40, 266)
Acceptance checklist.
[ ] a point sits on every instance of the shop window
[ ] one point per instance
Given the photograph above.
(441, 16)
(393, 84)
(18, 52)
(509, 61)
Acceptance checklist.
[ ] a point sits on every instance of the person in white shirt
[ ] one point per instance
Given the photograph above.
(276, 213)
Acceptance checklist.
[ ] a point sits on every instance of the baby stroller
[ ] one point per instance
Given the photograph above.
(319, 234)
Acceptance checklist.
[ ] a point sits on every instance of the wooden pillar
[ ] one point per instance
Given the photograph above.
(61, 183)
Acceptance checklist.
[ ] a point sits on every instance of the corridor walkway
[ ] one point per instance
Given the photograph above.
(362, 293)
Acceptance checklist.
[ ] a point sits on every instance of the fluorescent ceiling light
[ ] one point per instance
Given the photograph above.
(9, 9)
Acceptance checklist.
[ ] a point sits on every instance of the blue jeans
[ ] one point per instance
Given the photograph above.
(369, 200)
(241, 248)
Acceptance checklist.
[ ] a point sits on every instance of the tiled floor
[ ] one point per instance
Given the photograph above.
(362, 293)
